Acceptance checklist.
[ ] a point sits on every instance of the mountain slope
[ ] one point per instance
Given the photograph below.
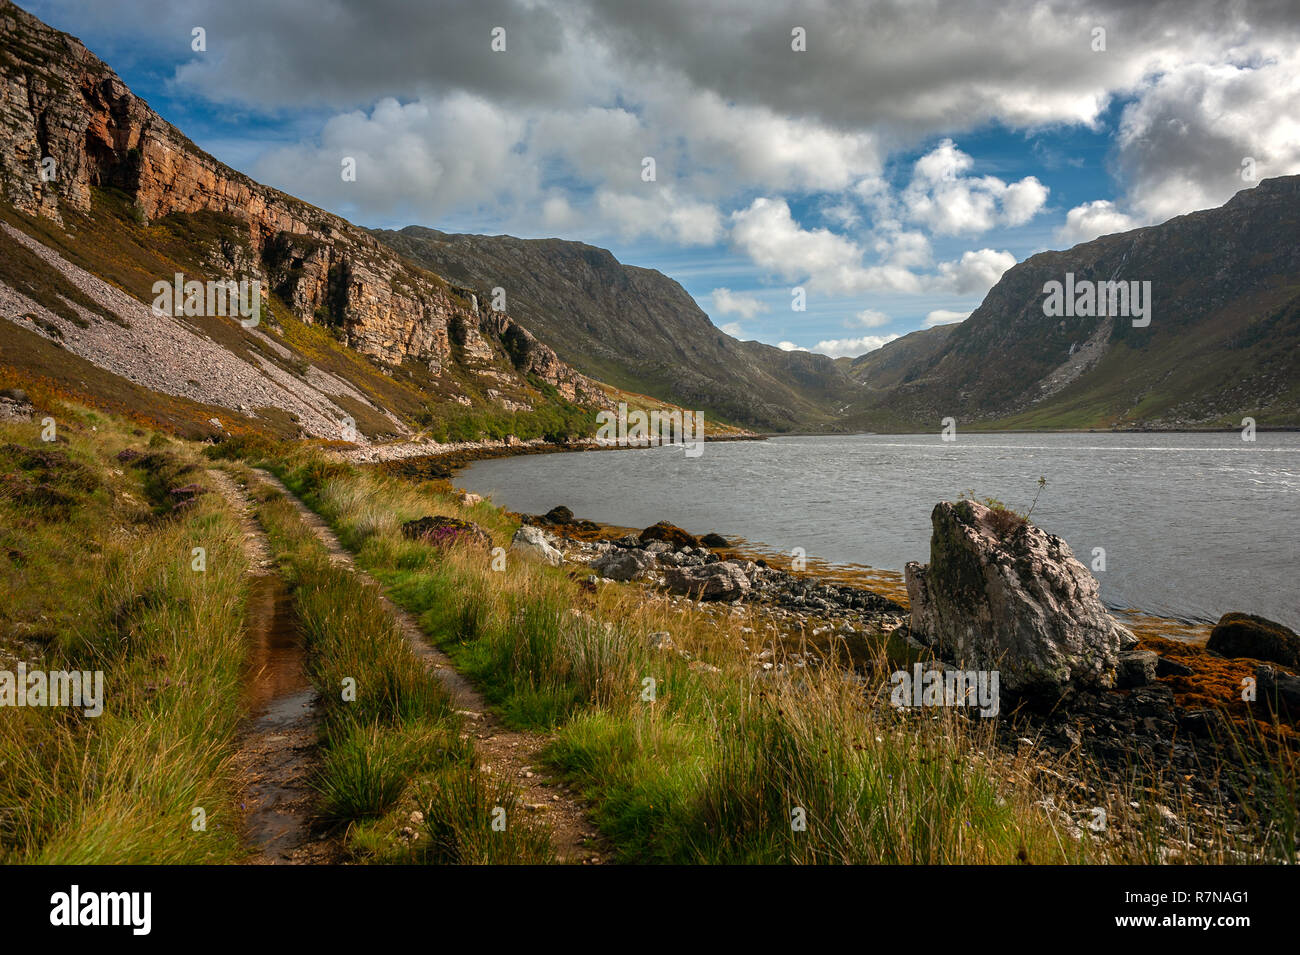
(1223, 340)
(635, 328)
(102, 199)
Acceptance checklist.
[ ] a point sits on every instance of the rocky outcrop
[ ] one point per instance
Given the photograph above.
(69, 126)
(1246, 635)
(1003, 595)
(669, 534)
(15, 405)
(624, 564)
(1278, 691)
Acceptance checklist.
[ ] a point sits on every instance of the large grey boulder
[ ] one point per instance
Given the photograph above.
(624, 564)
(1001, 594)
(535, 543)
(724, 580)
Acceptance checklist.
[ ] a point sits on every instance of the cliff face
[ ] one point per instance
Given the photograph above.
(60, 102)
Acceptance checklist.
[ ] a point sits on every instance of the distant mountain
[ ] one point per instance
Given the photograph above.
(1223, 341)
(635, 328)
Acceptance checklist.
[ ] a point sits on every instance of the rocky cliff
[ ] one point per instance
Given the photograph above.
(70, 128)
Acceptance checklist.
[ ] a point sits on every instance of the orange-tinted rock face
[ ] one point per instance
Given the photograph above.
(58, 100)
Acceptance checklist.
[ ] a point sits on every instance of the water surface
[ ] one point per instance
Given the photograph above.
(1192, 525)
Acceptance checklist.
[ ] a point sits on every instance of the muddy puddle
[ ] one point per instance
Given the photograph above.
(279, 734)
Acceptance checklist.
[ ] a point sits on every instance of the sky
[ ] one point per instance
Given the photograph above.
(889, 159)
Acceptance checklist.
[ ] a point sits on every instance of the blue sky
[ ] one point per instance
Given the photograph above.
(893, 169)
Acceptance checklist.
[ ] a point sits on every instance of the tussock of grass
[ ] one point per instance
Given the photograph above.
(466, 818)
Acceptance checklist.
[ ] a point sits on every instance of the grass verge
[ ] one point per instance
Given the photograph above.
(397, 768)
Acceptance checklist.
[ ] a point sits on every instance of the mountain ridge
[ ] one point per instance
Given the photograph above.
(634, 327)
(1222, 342)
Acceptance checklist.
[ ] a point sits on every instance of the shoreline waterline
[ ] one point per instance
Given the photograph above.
(1178, 527)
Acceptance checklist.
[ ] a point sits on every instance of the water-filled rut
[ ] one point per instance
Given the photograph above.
(279, 737)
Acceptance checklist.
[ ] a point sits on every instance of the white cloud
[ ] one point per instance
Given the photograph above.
(909, 250)
(757, 146)
(1022, 200)
(975, 272)
(790, 346)
(768, 234)
(852, 347)
(949, 203)
(427, 156)
(661, 214)
(731, 328)
(1099, 217)
(727, 302)
(558, 214)
(869, 318)
(1182, 141)
(942, 316)
(833, 265)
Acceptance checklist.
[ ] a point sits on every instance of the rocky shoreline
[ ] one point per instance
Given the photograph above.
(1126, 712)
(1157, 716)
(431, 460)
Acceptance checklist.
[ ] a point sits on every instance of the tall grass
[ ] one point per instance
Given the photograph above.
(106, 583)
(718, 763)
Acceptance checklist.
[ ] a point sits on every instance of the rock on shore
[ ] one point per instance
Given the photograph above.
(1000, 593)
(1246, 635)
(532, 542)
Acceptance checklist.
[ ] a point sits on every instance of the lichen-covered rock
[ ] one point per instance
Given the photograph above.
(1008, 596)
(440, 531)
(670, 533)
(724, 580)
(1246, 635)
(1136, 668)
(532, 542)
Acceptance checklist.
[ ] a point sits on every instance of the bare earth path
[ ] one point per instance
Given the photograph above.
(278, 746)
(502, 751)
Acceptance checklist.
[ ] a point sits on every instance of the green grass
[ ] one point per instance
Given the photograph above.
(97, 576)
